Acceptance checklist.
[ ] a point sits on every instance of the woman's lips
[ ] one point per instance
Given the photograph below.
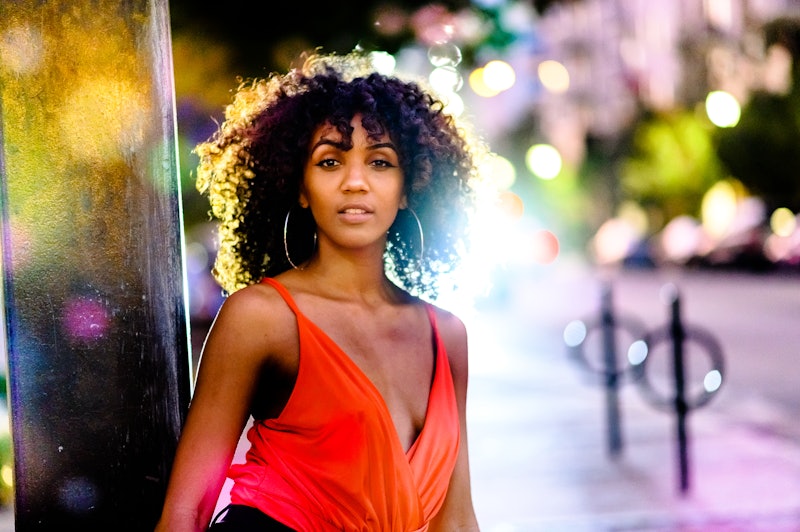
(355, 214)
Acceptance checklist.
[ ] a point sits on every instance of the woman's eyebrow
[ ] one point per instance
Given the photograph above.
(380, 145)
(341, 145)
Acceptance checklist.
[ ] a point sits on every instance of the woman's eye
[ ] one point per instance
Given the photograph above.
(383, 163)
(327, 163)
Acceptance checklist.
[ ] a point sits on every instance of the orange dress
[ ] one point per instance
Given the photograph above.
(333, 460)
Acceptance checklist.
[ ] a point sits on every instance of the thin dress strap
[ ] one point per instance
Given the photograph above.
(283, 292)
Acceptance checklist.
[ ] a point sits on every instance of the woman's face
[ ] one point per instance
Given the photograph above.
(354, 193)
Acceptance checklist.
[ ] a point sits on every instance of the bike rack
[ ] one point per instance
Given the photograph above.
(607, 368)
(679, 335)
(637, 367)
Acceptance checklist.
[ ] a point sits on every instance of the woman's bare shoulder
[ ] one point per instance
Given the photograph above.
(453, 333)
(256, 311)
(450, 325)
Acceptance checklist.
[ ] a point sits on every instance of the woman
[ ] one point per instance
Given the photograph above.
(339, 192)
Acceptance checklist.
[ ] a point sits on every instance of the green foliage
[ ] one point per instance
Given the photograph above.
(672, 163)
(763, 150)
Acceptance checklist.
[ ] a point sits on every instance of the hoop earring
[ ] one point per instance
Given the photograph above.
(286, 244)
(421, 234)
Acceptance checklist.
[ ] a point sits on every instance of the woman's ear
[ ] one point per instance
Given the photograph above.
(403, 202)
(303, 200)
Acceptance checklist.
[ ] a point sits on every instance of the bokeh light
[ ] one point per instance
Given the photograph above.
(554, 76)
(453, 104)
(510, 205)
(383, 62)
(499, 170)
(575, 333)
(7, 475)
(479, 86)
(543, 160)
(614, 241)
(680, 239)
(723, 109)
(444, 54)
(712, 381)
(499, 75)
(718, 208)
(783, 222)
(390, 20)
(637, 352)
(446, 79)
(545, 247)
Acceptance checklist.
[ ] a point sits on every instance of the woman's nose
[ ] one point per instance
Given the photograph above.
(355, 179)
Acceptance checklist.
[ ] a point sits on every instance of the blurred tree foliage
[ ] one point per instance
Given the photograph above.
(763, 150)
(672, 162)
(673, 158)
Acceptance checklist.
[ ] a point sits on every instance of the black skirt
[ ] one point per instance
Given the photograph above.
(240, 518)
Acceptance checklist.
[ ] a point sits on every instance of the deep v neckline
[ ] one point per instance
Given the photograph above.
(348, 360)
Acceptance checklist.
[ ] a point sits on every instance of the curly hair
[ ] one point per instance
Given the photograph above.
(251, 169)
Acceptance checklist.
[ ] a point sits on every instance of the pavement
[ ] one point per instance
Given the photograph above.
(538, 427)
(539, 431)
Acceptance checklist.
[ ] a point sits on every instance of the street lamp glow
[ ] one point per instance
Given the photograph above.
(543, 160)
(722, 109)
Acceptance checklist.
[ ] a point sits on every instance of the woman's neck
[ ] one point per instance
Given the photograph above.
(353, 276)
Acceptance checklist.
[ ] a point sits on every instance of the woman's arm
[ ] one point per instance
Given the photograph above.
(457, 512)
(240, 341)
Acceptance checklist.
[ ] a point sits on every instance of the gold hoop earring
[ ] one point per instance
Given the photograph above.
(286, 243)
(421, 235)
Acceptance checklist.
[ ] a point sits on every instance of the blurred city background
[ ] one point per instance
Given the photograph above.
(625, 132)
(644, 153)
(637, 145)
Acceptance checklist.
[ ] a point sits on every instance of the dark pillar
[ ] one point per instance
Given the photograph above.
(94, 304)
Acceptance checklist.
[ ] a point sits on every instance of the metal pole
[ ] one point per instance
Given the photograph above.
(94, 304)
(681, 406)
(611, 372)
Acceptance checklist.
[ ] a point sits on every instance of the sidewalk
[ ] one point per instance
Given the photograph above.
(538, 448)
(537, 426)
